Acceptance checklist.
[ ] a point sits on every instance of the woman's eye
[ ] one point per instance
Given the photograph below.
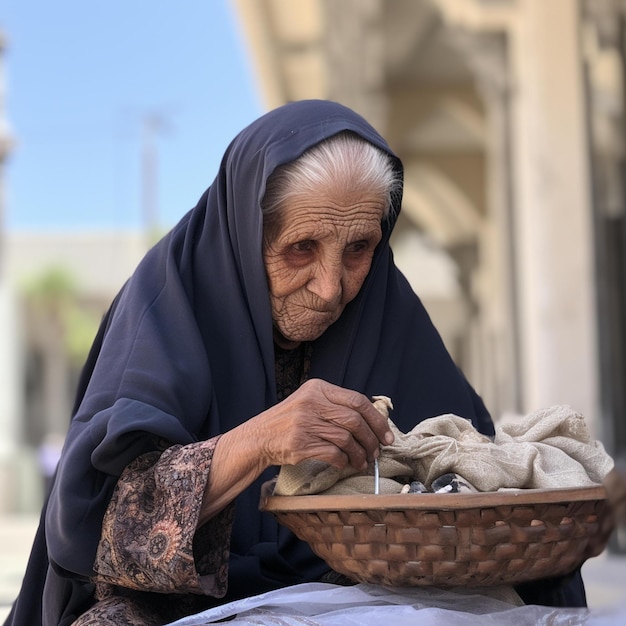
(304, 246)
(357, 246)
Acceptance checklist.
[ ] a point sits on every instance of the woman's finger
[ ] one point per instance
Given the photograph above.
(375, 421)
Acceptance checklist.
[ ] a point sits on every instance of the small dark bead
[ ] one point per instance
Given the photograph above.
(417, 487)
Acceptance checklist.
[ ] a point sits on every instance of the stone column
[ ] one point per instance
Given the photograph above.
(357, 77)
(10, 363)
(5, 146)
(553, 222)
(495, 281)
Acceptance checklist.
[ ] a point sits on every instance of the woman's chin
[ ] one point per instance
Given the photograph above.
(293, 340)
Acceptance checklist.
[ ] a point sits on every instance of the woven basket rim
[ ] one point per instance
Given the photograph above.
(425, 501)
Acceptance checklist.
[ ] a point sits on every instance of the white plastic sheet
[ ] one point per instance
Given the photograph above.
(319, 604)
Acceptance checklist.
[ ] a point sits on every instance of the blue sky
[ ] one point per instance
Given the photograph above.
(82, 81)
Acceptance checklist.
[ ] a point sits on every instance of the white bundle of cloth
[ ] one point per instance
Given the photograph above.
(547, 449)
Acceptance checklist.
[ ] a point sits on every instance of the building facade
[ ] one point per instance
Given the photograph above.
(509, 117)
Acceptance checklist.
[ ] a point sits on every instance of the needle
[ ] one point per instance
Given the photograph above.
(376, 477)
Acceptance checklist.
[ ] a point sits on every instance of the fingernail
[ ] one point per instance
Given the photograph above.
(389, 437)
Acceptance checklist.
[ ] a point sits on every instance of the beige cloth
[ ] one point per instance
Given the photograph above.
(550, 448)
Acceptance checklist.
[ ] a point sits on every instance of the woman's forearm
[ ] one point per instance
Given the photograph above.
(237, 462)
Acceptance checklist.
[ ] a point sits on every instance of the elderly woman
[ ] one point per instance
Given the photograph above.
(253, 335)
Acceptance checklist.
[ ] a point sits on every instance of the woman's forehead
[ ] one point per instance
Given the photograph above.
(322, 213)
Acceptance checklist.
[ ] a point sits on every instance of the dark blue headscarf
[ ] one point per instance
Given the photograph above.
(186, 353)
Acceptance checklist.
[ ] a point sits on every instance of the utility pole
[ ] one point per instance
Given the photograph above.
(153, 124)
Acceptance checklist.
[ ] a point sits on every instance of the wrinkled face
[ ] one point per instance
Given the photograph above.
(318, 259)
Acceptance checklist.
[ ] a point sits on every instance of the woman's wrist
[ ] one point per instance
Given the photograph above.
(237, 462)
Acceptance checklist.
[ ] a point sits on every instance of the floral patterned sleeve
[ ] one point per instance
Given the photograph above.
(150, 540)
(153, 564)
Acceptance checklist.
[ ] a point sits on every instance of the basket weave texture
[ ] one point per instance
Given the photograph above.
(449, 540)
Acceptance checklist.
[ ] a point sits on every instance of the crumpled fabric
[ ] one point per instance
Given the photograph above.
(321, 604)
(550, 448)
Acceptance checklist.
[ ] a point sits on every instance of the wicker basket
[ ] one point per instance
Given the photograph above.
(449, 540)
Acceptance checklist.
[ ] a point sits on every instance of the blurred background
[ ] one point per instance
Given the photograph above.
(509, 116)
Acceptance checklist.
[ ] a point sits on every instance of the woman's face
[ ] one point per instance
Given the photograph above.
(318, 260)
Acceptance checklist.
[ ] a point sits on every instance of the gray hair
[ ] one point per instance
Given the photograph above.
(344, 159)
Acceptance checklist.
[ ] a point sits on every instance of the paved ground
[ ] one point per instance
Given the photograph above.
(605, 575)
(16, 535)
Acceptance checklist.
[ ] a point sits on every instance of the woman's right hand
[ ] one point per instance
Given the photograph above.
(325, 422)
(318, 421)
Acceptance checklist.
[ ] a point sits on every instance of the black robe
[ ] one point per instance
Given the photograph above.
(186, 352)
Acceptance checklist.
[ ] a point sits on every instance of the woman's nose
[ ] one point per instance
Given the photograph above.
(326, 282)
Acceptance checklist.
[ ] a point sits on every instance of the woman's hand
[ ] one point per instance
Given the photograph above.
(318, 421)
(325, 422)
(615, 485)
